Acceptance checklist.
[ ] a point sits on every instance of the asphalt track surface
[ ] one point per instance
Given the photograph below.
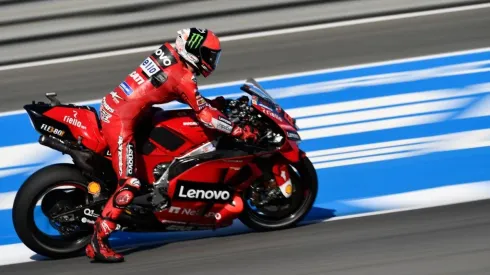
(445, 240)
(92, 79)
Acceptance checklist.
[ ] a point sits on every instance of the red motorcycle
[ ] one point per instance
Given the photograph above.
(211, 179)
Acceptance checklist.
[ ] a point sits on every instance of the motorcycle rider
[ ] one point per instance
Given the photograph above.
(167, 74)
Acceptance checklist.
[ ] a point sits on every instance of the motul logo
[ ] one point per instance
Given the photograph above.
(202, 192)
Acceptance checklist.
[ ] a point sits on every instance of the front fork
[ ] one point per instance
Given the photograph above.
(282, 177)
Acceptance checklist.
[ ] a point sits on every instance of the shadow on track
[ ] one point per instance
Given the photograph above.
(129, 243)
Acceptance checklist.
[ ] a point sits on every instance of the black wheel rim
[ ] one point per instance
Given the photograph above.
(298, 202)
(61, 243)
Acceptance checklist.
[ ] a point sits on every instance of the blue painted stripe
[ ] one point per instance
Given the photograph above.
(370, 179)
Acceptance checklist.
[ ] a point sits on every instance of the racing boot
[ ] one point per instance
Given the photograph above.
(99, 248)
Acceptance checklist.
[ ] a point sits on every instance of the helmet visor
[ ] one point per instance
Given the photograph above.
(210, 57)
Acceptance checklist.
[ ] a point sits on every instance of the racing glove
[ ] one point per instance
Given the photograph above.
(218, 102)
(246, 133)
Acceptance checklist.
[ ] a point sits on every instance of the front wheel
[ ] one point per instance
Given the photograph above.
(62, 189)
(284, 213)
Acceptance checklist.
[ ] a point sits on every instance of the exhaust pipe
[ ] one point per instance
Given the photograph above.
(80, 158)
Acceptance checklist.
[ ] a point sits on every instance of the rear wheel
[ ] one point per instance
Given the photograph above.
(282, 213)
(62, 189)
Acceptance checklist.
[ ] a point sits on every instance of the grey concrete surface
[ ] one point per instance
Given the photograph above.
(452, 240)
(91, 79)
(92, 32)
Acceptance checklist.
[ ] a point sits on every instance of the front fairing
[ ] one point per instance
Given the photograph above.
(266, 105)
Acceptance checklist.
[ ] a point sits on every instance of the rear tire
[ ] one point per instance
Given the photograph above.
(25, 201)
(305, 181)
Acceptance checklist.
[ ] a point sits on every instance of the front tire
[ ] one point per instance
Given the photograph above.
(305, 189)
(31, 192)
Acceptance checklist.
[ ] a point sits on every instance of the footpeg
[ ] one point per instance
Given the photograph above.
(160, 200)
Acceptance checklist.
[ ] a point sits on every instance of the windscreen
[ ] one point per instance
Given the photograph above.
(253, 88)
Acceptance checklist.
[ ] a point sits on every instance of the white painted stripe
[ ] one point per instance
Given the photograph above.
(15, 254)
(428, 197)
(409, 201)
(364, 160)
(7, 200)
(14, 171)
(372, 126)
(271, 33)
(25, 154)
(375, 102)
(383, 113)
(258, 35)
(481, 108)
(352, 155)
(371, 146)
(370, 152)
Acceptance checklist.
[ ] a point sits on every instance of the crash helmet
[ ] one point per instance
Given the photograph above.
(200, 48)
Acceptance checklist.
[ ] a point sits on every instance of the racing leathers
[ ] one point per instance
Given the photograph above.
(162, 77)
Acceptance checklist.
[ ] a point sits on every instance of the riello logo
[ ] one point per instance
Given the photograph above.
(73, 121)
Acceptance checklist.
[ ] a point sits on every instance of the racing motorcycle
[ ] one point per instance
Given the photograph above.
(211, 179)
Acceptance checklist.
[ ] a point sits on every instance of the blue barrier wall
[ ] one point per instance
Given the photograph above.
(400, 134)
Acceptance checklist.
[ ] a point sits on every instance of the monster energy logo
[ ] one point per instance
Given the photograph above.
(195, 40)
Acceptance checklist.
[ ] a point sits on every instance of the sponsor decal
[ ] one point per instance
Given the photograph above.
(201, 30)
(195, 40)
(149, 67)
(218, 124)
(158, 79)
(119, 153)
(192, 212)
(123, 198)
(224, 120)
(105, 228)
(106, 106)
(293, 135)
(52, 130)
(105, 116)
(270, 113)
(201, 102)
(93, 188)
(180, 227)
(129, 159)
(164, 57)
(108, 153)
(195, 191)
(74, 121)
(90, 213)
(137, 78)
(190, 123)
(126, 88)
(134, 183)
(85, 220)
(116, 97)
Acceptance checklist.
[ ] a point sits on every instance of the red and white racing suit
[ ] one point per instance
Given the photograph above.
(162, 77)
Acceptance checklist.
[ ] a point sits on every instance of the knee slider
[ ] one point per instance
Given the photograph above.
(124, 197)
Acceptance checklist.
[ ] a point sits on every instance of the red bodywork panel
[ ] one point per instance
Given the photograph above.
(82, 122)
(201, 185)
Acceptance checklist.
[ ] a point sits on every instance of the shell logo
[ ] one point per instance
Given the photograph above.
(93, 188)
